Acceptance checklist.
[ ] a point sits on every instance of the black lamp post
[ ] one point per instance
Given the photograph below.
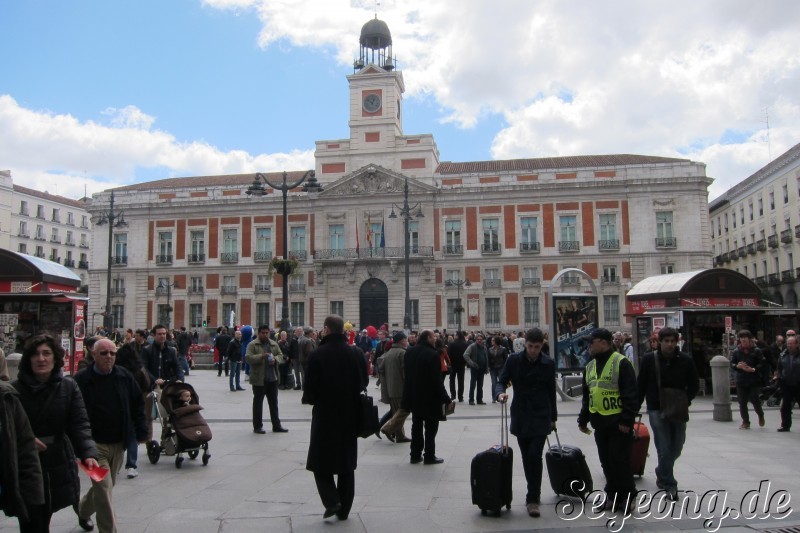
(459, 309)
(406, 212)
(114, 220)
(258, 189)
(168, 286)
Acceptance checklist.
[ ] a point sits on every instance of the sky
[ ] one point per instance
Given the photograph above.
(96, 94)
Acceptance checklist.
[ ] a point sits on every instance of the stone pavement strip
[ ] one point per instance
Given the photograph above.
(259, 482)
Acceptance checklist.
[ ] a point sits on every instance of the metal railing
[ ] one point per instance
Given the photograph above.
(666, 242)
(197, 289)
(300, 255)
(761, 245)
(228, 289)
(262, 257)
(569, 246)
(164, 259)
(453, 249)
(262, 288)
(786, 236)
(773, 278)
(69, 263)
(297, 286)
(751, 248)
(742, 251)
(530, 282)
(610, 280)
(787, 275)
(490, 248)
(83, 264)
(117, 291)
(119, 259)
(529, 247)
(491, 283)
(371, 253)
(608, 244)
(772, 241)
(229, 257)
(196, 258)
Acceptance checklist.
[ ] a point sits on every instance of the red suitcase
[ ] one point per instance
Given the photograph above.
(641, 443)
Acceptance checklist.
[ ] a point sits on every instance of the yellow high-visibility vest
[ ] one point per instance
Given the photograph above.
(604, 397)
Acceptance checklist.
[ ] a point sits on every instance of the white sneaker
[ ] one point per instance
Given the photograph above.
(132, 473)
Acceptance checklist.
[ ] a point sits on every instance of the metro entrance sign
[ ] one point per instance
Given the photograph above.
(641, 306)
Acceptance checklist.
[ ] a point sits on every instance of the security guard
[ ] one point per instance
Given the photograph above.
(610, 403)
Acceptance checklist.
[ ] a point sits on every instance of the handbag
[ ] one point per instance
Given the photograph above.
(674, 402)
(369, 422)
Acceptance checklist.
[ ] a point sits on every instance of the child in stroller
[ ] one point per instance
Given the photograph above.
(183, 428)
(770, 393)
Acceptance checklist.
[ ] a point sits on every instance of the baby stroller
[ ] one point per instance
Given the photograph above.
(183, 429)
(771, 393)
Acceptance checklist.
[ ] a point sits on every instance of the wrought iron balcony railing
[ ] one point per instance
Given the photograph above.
(69, 263)
(300, 255)
(491, 283)
(787, 275)
(742, 251)
(530, 282)
(83, 264)
(229, 257)
(608, 244)
(262, 257)
(197, 289)
(786, 236)
(490, 248)
(666, 242)
(297, 286)
(117, 291)
(228, 289)
(196, 258)
(453, 249)
(529, 247)
(119, 260)
(569, 246)
(773, 278)
(610, 280)
(339, 254)
(263, 288)
(772, 241)
(761, 245)
(165, 259)
(751, 248)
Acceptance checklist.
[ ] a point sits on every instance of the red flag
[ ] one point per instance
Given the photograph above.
(357, 243)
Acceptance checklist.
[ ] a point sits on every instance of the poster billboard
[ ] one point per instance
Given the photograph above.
(574, 317)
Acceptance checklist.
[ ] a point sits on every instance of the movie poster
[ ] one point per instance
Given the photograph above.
(575, 317)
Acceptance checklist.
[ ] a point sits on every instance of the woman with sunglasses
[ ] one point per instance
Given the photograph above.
(55, 408)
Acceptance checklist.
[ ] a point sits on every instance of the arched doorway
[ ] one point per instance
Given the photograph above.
(373, 303)
(791, 299)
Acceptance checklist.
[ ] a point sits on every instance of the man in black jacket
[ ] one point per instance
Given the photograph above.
(610, 403)
(425, 396)
(748, 363)
(161, 360)
(115, 407)
(458, 365)
(676, 370)
(788, 374)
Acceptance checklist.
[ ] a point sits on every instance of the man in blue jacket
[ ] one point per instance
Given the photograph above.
(533, 410)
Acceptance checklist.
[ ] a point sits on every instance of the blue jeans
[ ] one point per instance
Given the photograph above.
(669, 438)
(184, 364)
(476, 381)
(132, 453)
(235, 372)
(494, 373)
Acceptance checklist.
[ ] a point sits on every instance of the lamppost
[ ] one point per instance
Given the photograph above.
(459, 309)
(165, 285)
(406, 212)
(258, 189)
(114, 220)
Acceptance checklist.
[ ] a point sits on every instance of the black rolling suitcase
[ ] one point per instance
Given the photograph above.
(567, 469)
(490, 475)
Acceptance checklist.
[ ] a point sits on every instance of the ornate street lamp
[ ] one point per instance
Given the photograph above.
(459, 309)
(165, 285)
(258, 189)
(406, 213)
(114, 220)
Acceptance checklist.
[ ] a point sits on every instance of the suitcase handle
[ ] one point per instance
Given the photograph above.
(555, 430)
(504, 425)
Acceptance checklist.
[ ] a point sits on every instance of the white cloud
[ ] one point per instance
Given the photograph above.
(88, 155)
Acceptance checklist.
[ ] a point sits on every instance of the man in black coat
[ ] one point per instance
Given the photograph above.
(160, 359)
(456, 352)
(425, 396)
(335, 378)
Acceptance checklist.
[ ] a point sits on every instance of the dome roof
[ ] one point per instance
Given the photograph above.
(375, 34)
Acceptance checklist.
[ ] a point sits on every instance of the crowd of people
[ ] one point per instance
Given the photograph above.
(103, 413)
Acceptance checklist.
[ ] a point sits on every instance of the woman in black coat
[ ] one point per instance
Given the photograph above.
(336, 376)
(55, 408)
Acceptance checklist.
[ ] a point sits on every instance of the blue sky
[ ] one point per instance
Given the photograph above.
(97, 93)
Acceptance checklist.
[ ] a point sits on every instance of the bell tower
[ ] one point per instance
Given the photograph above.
(376, 91)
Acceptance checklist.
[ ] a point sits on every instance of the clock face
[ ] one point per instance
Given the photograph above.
(372, 103)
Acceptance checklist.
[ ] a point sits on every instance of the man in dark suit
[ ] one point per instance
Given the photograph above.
(425, 396)
(334, 380)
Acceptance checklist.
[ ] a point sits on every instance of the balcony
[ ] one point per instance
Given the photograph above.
(742, 251)
(262, 257)
(297, 286)
(608, 245)
(229, 257)
(56, 240)
(453, 249)
(40, 214)
(24, 234)
(490, 248)
(609, 280)
(571, 281)
(40, 255)
(797, 231)
(23, 212)
(84, 225)
(197, 290)
(786, 236)
(491, 283)
(228, 289)
(40, 237)
(300, 255)
(83, 264)
(69, 263)
(55, 259)
(569, 246)
(161, 290)
(119, 260)
(772, 241)
(196, 259)
(761, 245)
(164, 259)
(262, 288)
(529, 248)
(70, 242)
(761, 281)
(84, 244)
(666, 242)
(117, 291)
(787, 275)
(530, 282)
(70, 222)
(773, 279)
(343, 254)
(751, 248)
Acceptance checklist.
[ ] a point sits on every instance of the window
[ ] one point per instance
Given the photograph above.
(453, 275)
(530, 275)
(777, 264)
(491, 236)
(262, 314)
(336, 236)
(719, 227)
(54, 237)
(39, 232)
(726, 222)
(23, 207)
(374, 233)
(741, 214)
(745, 270)
(337, 308)
(610, 274)
(165, 245)
(163, 314)
(84, 240)
(760, 207)
(413, 236)
(492, 312)
(120, 246)
(415, 314)
(70, 218)
(755, 270)
(733, 217)
(54, 255)
(56, 215)
(70, 238)
(22, 248)
(750, 208)
(230, 241)
(764, 267)
(530, 311)
(298, 237)
(452, 236)
(117, 312)
(196, 284)
(528, 232)
(40, 211)
(664, 224)
(229, 314)
(569, 229)
(229, 282)
(492, 273)
(608, 227)
(198, 245)
(667, 268)
(611, 309)
(40, 251)
(23, 228)
(118, 286)
(297, 312)
(196, 315)
(84, 221)
(263, 283)
(771, 200)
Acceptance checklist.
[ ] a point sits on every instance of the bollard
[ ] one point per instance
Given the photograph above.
(12, 360)
(721, 384)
